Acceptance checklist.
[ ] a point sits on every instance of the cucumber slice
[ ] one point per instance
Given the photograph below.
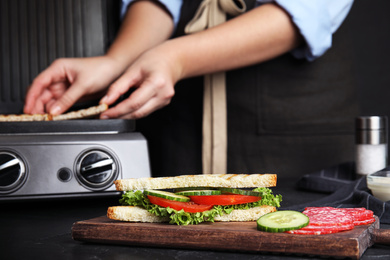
(166, 195)
(199, 192)
(241, 192)
(281, 221)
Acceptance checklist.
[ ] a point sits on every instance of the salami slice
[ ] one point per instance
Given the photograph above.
(355, 209)
(328, 217)
(329, 220)
(360, 214)
(364, 222)
(312, 232)
(316, 209)
(337, 227)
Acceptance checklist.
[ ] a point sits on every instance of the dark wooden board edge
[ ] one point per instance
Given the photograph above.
(225, 236)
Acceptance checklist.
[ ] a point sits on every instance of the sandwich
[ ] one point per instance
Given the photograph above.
(193, 199)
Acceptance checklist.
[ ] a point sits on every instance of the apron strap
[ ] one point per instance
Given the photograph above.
(214, 146)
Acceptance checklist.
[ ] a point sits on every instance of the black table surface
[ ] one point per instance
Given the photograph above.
(42, 230)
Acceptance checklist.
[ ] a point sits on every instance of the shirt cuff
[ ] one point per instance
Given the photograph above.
(316, 21)
(173, 6)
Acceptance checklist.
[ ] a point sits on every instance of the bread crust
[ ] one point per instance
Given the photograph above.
(79, 114)
(25, 118)
(202, 180)
(137, 214)
(83, 113)
(133, 214)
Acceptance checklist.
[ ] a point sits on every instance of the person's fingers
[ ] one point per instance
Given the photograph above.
(41, 103)
(136, 100)
(33, 95)
(68, 98)
(149, 97)
(128, 80)
(49, 104)
(39, 107)
(55, 92)
(45, 79)
(149, 107)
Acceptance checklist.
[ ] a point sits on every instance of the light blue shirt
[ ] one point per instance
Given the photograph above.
(173, 6)
(316, 20)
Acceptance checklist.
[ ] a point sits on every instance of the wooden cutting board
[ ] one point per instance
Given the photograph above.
(229, 236)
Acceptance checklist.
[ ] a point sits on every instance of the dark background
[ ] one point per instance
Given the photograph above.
(371, 32)
(35, 32)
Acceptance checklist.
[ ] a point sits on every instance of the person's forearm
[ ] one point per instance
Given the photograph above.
(144, 26)
(259, 35)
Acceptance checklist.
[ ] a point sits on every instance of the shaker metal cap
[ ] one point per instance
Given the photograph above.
(371, 122)
(371, 130)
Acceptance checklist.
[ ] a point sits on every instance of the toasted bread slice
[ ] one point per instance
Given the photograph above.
(83, 113)
(25, 117)
(133, 214)
(79, 114)
(137, 214)
(206, 180)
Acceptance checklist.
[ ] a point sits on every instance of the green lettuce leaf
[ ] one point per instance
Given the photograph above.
(137, 198)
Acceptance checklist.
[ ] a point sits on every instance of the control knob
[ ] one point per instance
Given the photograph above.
(12, 172)
(96, 170)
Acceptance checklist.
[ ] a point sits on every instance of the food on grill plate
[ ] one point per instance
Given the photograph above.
(79, 114)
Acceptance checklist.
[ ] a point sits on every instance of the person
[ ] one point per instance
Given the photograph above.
(291, 100)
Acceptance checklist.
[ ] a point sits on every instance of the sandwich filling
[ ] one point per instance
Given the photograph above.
(197, 206)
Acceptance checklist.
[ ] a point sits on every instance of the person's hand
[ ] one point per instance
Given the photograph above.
(67, 80)
(153, 77)
(155, 72)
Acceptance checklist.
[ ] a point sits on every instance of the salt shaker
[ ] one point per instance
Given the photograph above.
(371, 144)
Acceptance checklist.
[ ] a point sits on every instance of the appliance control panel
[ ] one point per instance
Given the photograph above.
(70, 165)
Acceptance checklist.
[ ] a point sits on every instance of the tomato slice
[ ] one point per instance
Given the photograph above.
(177, 205)
(224, 200)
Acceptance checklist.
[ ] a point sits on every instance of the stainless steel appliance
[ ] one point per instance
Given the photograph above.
(59, 159)
(69, 158)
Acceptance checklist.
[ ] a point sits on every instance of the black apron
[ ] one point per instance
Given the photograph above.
(286, 116)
